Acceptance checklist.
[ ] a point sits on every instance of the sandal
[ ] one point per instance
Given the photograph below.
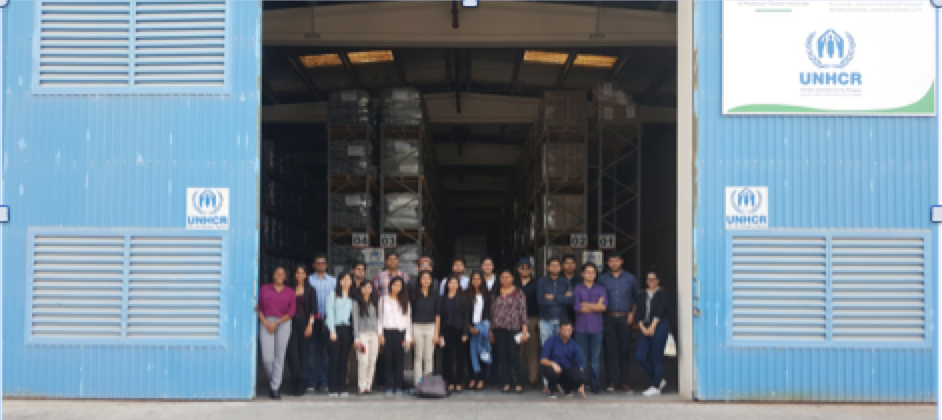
(458, 389)
(506, 389)
(480, 385)
(472, 383)
(519, 390)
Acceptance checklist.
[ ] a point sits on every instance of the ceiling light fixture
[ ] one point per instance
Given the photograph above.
(365, 57)
(322, 60)
(544, 57)
(601, 61)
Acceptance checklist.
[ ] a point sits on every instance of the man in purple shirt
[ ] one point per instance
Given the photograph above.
(591, 299)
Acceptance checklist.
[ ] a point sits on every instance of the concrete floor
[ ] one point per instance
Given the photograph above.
(485, 406)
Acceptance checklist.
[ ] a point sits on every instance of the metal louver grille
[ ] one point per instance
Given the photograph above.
(84, 44)
(779, 288)
(174, 288)
(878, 288)
(180, 43)
(77, 286)
(131, 46)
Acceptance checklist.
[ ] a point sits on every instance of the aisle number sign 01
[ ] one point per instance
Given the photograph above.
(387, 240)
(829, 58)
(361, 240)
(578, 240)
(607, 241)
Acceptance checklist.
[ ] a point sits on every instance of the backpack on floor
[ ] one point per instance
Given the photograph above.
(431, 386)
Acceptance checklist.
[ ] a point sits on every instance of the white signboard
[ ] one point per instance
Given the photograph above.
(207, 208)
(387, 240)
(607, 241)
(578, 240)
(829, 57)
(360, 240)
(747, 207)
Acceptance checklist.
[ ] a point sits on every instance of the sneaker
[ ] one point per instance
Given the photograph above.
(333, 394)
(595, 390)
(344, 394)
(552, 395)
(652, 391)
(663, 384)
(610, 389)
(398, 392)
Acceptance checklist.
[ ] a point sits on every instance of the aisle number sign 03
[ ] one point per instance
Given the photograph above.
(829, 58)
(607, 241)
(387, 240)
(361, 240)
(578, 240)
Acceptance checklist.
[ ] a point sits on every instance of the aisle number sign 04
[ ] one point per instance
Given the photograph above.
(578, 240)
(829, 58)
(361, 240)
(387, 240)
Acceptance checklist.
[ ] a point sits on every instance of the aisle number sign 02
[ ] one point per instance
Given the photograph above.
(578, 240)
(387, 240)
(829, 58)
(361, 240)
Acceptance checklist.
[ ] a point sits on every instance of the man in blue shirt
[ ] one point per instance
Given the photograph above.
(563, 363)
(554, 293)
(323, 283)
(623, 289)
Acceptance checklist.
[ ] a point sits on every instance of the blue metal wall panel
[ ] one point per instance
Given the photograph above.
(822, 173)
(125, 161)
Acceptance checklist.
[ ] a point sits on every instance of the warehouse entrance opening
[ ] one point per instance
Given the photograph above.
(468, 142)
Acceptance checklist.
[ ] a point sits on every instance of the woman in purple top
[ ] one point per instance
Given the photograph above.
(276, 307)
(591, 300)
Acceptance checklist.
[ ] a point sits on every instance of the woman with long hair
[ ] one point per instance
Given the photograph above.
(276, 306)
(366, 344)
(302, 328)
(480, 300)
(509, 330)
(651, 316)
(453, 313)
(395, 323)
(425, 324)
(340, 324)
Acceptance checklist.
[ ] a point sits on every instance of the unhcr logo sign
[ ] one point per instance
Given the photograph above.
(207, 208)
(747, 207)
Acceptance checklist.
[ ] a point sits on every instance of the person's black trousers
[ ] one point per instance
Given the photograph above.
(570, 379)
(339, 355)
(617, 343)
(508, 364)
(394, 358)
(454, 357)
(299, 349)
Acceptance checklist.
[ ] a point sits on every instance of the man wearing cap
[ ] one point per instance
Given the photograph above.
(530, 349)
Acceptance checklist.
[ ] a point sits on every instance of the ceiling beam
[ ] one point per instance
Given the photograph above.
(291, 56)
(400, 69)
(657, 83)
(500, 24)
(620, 65)
(515, 77)
(352, 72)
(268, 93)
(564, 73)
(478, 108)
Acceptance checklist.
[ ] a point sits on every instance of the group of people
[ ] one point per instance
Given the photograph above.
(481, 325)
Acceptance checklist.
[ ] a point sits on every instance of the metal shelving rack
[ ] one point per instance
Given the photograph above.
(343, 184)
(619, 186)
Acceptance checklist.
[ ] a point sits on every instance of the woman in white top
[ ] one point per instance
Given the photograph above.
(395, 327)
(480, 301)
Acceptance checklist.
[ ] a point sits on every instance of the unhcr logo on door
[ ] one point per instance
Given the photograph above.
(207, 208)
(830, 50)
(747, 207)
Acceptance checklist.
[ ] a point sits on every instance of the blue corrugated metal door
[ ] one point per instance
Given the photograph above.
(836, 300)
(122, 106)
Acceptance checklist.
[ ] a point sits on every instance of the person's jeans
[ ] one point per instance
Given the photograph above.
(650, 353)
(339, 351)
(591, 345)
(570, 379)
(480, 344)
(547, 330)
(320, 345)
(617, 350)
(511, 371)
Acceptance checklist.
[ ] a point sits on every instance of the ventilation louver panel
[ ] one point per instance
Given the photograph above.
(77, 286)
(84, 44)
(779, 288)
(180, 43)
(175, 287)
(879, 288)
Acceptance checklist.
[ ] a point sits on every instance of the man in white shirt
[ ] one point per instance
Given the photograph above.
(457, 269)
(323, 284)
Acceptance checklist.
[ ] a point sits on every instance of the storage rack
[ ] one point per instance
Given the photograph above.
(342, 185)
(413, 189)
(557, 176)
(619, 179)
